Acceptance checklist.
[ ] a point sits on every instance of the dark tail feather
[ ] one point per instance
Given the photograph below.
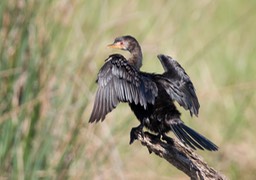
(192, 138)
(183, 137)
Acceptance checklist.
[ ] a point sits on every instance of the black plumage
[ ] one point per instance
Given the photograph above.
(149, 95)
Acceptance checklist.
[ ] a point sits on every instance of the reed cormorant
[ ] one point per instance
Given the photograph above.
(150, 96)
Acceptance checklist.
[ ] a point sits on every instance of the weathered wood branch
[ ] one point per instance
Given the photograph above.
(180, 156)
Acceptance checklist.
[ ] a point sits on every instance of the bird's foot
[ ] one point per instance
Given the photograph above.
(153, 136)
(135, 132)
(167, 139)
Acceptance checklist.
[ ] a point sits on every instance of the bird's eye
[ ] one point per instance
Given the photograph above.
(121, 43)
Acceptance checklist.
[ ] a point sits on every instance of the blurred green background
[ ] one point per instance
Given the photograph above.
(51, 51)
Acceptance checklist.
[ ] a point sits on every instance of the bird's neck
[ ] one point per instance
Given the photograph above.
(136, 57)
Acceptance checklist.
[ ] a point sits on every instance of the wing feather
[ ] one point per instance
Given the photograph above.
(178, 84)
(120, 82)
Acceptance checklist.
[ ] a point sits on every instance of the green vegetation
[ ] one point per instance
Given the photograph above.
(51, 51)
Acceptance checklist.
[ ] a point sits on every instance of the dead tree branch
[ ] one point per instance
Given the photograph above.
(181, 157)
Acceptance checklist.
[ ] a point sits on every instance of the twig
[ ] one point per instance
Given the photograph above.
(181, 157)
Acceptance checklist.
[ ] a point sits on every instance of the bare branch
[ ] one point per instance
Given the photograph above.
(181, 157)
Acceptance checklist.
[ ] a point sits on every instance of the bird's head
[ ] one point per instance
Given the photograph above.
(127, 43)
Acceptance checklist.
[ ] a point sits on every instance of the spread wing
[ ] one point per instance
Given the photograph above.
(178, 84)
(118, 81)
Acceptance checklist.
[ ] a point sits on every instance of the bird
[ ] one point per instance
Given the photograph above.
(151, 96)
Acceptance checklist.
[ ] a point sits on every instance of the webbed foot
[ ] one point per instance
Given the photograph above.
(167, 139)
(134, 133)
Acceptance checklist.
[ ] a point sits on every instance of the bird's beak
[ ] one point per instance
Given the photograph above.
(117, 45)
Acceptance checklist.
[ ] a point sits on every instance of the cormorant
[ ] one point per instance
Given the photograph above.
(149, 95)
